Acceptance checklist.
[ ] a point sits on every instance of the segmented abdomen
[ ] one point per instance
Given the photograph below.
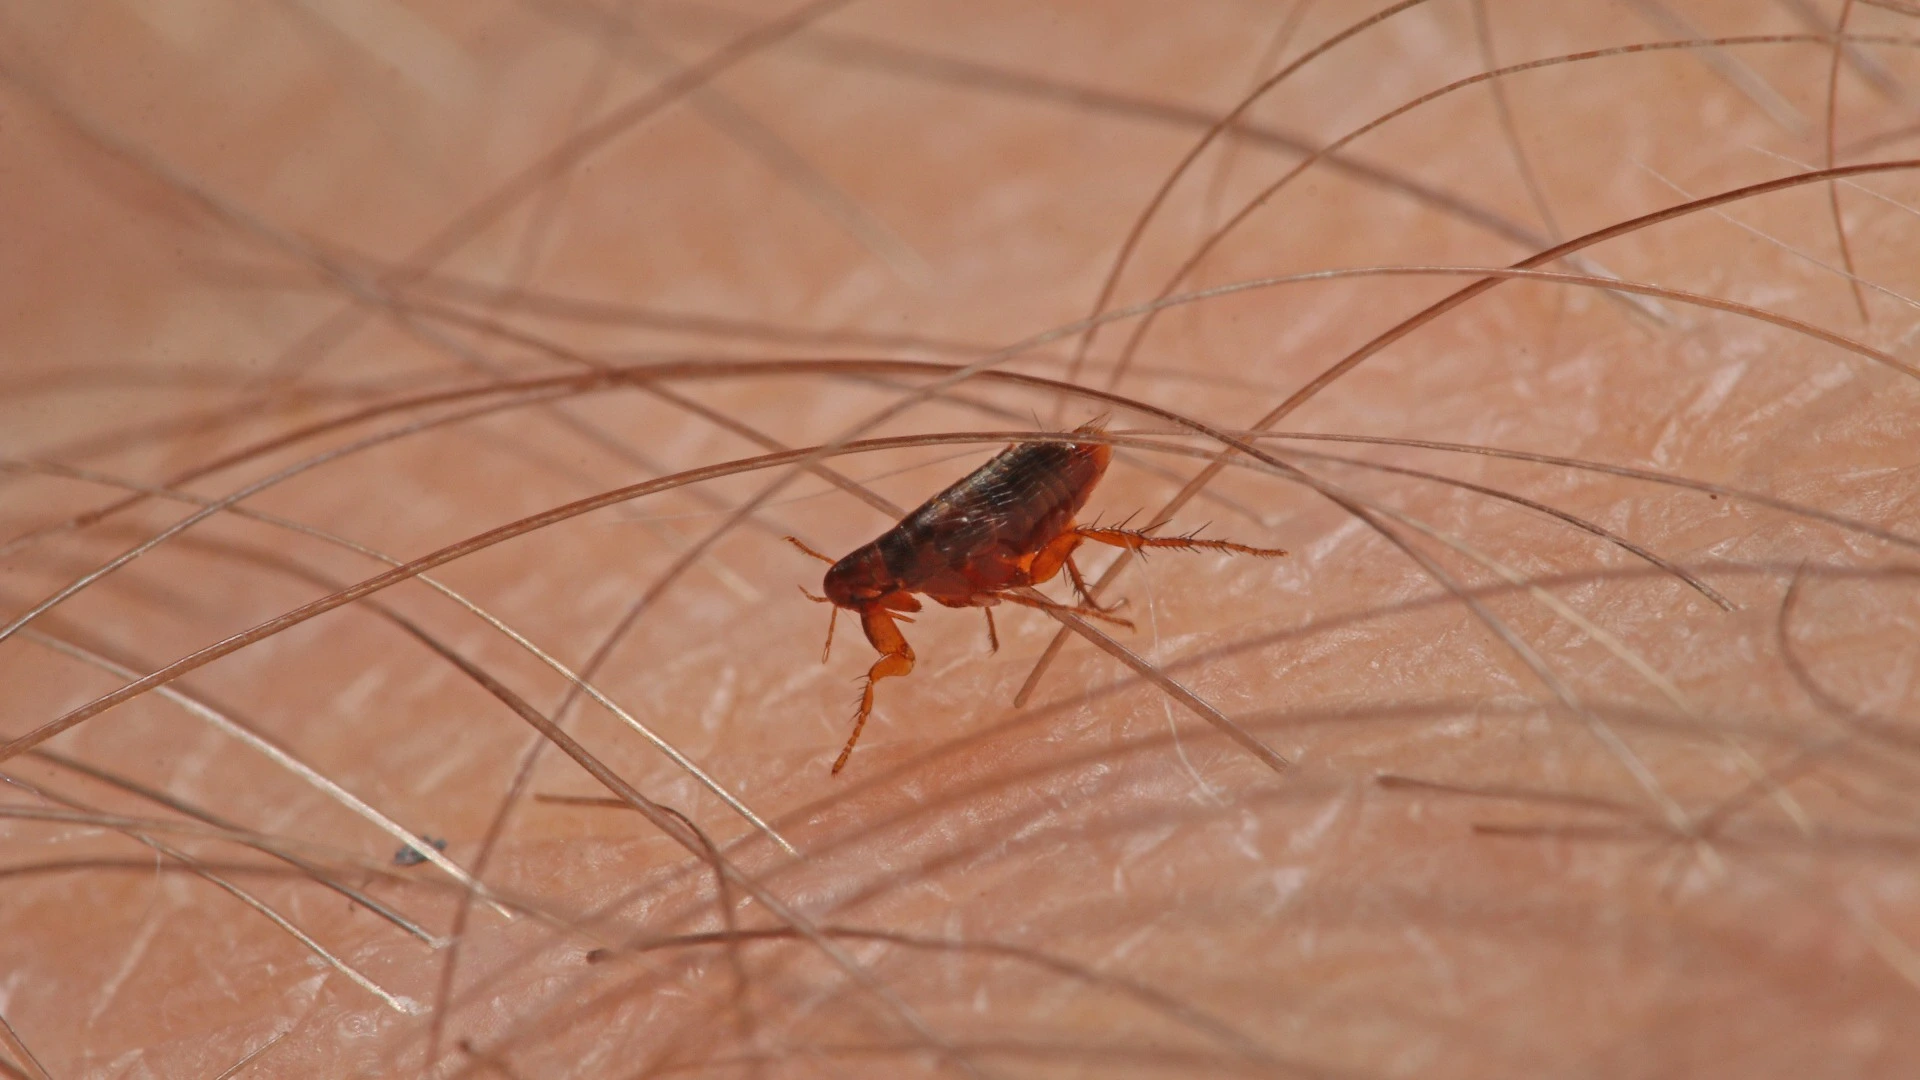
(1009, 507)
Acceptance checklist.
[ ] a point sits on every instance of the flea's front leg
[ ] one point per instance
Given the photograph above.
(896, 658)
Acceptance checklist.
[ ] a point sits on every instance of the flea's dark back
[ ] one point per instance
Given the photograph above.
(1011, 506)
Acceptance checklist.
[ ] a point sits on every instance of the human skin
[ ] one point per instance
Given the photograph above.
(1548, 809)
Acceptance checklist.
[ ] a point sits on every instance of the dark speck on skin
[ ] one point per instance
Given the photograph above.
(407, 856)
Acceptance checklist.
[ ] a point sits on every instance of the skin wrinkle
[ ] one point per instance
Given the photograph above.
(1504, 902)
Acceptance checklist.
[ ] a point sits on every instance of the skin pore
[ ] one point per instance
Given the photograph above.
(1625, 791)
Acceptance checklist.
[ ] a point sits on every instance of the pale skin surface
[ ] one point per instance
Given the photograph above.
(1461, 874)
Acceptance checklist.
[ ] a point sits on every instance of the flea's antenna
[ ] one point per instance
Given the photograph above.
(795, 541)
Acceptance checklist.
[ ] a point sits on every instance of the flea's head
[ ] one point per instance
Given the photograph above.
(858, 580)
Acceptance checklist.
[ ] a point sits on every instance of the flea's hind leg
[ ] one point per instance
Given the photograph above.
(993, 636)
(1085, 594)
(1057, 553)
(1049, 559)
(896, 658)
(1141, 540)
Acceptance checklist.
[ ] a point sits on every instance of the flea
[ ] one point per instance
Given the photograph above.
(1006, 525)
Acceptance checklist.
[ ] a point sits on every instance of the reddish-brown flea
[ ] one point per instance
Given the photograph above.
(1006, 525)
